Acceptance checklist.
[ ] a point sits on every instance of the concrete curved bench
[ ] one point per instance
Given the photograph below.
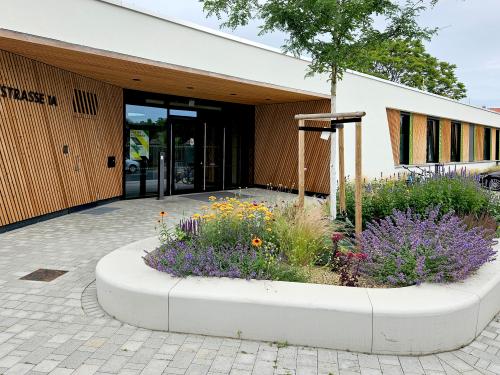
(414, 320)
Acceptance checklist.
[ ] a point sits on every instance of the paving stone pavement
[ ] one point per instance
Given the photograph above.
(58, 328)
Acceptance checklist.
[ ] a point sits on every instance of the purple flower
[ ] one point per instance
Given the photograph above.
(406, 248)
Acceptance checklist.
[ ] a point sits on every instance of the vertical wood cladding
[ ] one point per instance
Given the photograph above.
(394, 120)
(493, 144)
(276, 146)
(419, 140)
(445, 156)
(479, 149)
(465, 142)
(36, 176)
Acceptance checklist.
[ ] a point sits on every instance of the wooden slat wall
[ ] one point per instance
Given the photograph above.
(445, 128)
(36, 178)
(419, 139)
(394, 119)
(276, 146)
(465, 142)
(493, 143)
(479, 150)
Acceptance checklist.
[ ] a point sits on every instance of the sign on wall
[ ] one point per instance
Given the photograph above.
(15, 93)
(139, 144)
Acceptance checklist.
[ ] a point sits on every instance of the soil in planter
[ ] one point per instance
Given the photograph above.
(323, 275)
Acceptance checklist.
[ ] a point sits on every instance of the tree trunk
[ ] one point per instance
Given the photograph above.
(333, 150)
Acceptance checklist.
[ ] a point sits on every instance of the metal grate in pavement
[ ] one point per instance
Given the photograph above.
(43, 274)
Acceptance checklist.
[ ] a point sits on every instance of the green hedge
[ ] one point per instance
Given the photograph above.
(462, 195)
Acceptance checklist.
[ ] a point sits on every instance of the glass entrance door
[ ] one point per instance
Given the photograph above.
(213, 157)
(197, 156)
(186, 159)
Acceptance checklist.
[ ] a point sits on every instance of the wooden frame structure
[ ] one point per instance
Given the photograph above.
(337, 121)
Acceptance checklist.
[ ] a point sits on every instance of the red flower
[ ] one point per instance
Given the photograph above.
(350, 255)
(336, 237)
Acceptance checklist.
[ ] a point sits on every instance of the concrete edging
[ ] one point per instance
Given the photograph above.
(414, 320)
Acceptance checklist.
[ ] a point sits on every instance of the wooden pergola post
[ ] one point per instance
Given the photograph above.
(358, 182)
(336, 123)
(301, 171)
(341, 172)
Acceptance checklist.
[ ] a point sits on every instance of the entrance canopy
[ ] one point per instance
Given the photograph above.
(146, 75)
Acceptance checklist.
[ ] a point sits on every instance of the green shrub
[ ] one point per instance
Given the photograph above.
(462, 195)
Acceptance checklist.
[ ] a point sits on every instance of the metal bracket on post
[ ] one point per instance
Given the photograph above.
(161, 175)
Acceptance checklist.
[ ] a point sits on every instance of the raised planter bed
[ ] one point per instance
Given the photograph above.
(414, 320)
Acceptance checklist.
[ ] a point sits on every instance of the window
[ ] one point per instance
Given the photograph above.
(142, 115)
(487, 144)
(456, 136)
(183, 113)
(432, 140)
(404, 139)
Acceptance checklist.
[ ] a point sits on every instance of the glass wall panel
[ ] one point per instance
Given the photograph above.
(487, 144)
(207, 144)
(456, 136)
(432, 140)
(145, 138)
(404, 139)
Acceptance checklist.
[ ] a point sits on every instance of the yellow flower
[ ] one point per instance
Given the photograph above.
(212, 198)
(163, 214)
(196, 216)
(256, 242)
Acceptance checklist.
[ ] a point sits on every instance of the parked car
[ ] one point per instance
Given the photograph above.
(490, 180)
(131, 166)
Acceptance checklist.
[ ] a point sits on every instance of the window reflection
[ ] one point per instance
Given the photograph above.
(142, 115)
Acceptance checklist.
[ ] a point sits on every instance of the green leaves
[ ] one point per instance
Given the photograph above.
(406, 61)
(337, 34)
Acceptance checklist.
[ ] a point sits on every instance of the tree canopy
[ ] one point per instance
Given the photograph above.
(342, 34)
(407, 62)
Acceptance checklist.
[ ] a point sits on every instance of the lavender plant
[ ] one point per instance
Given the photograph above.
(185, 258)
(407, 248)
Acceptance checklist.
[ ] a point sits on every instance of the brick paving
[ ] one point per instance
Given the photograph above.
(58, 328)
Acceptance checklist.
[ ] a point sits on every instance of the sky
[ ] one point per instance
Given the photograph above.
(469, 37)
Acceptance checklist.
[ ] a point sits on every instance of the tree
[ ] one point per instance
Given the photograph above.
(406, 61)
(336, 34)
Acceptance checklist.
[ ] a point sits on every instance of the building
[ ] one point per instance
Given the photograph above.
(92, 93)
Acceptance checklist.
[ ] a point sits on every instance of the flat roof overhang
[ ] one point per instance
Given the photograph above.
(136, 73)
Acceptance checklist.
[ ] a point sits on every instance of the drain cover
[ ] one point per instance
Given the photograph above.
(43, 274)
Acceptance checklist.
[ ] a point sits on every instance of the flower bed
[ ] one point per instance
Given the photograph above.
(259, 240)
